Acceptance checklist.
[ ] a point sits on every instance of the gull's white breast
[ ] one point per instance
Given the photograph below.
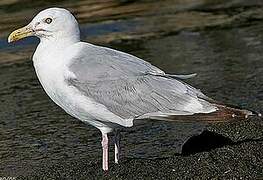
(52, 72)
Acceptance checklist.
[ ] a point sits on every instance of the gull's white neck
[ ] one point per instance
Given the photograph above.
(54, 45)
(50, 58)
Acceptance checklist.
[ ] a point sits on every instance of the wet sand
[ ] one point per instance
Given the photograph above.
(220, 41)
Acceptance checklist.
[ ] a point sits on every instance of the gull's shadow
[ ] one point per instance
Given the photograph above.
(206, 141)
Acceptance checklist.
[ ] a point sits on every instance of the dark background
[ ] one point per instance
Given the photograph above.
(220, 40)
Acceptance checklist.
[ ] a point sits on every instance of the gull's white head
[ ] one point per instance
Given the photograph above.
(50, 24)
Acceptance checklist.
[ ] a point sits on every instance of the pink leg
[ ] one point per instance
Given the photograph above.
(117, 146)
(105, 155)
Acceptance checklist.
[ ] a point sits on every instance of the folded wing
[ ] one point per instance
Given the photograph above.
(132, 88)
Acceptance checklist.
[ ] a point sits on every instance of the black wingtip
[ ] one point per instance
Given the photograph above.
(255, 113)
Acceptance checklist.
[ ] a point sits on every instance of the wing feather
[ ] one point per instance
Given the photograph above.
(130, 87)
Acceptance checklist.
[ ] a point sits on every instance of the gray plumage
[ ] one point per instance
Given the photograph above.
(131, 87)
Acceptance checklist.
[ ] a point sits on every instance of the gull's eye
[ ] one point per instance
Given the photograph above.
(48, 20)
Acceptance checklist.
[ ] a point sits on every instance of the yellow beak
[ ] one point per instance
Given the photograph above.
(20, 33)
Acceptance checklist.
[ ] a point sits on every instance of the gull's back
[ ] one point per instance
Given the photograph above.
(130, 87)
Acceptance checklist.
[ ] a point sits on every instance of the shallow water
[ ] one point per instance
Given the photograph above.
(33, 129)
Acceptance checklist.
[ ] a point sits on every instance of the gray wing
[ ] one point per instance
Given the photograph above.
(132, 88)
